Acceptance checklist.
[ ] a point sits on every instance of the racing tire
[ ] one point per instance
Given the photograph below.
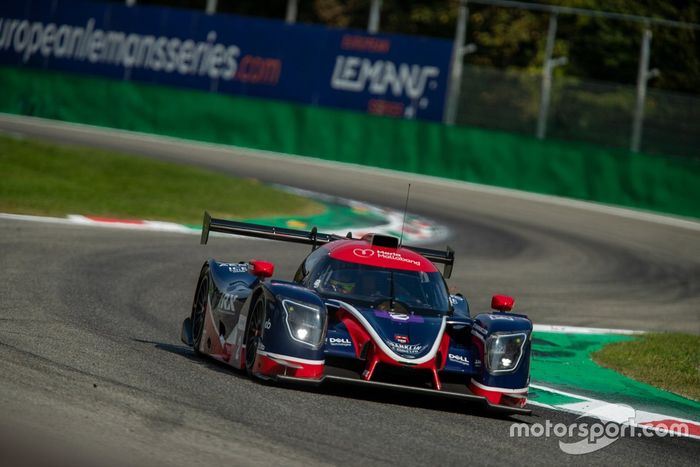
(199, 309)
(253, 335)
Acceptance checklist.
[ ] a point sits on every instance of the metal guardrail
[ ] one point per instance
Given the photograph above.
(643, 74)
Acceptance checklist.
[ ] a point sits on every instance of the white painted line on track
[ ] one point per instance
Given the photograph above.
(44, 219)
(73, 219)
(92, 130)
(582, 330)
(562, 393)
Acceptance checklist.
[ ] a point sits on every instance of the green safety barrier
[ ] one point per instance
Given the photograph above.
(577, 170)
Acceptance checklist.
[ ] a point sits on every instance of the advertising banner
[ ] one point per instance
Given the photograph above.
(384, 74)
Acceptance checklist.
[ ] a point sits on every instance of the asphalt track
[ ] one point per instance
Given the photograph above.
(93, 368)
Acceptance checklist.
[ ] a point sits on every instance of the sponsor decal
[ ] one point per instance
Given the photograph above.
(395, 256)
(410, 349)
(339, 341)
(268, 324)
(382, 107)
(401, 339)
(228, 302)
(399, 317)
(363, 252)
(164, 54)
(479, 329)
(365, 44)
(235, 267)
(461, 359)
(381, 254)
(503, 317)
(381, 77)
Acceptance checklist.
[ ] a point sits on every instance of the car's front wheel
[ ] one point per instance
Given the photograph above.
(199, 309)
(254, 334)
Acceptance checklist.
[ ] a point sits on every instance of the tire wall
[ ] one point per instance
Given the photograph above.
(577, 170)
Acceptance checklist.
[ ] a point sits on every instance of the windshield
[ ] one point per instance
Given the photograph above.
(420, 291)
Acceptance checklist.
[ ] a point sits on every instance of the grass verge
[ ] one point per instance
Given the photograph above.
(670, 361)
(47, 179)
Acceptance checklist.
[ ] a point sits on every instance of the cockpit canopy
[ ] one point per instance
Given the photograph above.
(420, 288)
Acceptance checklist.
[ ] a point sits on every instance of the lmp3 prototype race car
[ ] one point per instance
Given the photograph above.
(364, 311)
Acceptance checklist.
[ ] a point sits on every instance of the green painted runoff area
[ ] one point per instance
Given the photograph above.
(563, 168)
(563, 361)
(550, 398)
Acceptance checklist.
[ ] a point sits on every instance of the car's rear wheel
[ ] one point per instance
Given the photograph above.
(254, 334)
(199, 309)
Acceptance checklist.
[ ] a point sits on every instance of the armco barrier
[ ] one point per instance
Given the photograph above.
(582, 171)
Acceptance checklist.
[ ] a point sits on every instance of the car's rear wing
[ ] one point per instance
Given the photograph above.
(446, 257)
(312, 237)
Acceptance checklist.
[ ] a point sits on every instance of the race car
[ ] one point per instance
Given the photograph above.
(367, 311)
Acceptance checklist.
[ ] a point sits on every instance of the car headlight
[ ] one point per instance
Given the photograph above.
(306, 323)
(503, 351)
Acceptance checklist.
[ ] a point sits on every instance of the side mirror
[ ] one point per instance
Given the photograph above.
(502, 302)
(261, 269)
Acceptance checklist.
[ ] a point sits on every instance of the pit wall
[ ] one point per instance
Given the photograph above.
(576, 170)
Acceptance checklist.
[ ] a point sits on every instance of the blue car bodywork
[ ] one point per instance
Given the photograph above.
(404, 331)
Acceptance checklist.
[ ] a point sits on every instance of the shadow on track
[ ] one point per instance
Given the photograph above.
(406, 399)
(378, 395)
(188, 353)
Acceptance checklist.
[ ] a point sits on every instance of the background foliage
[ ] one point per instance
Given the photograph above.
(598, 49)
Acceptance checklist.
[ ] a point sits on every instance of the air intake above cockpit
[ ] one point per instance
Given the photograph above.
(386, 241)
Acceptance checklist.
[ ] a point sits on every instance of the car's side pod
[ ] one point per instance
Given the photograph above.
(503, 341)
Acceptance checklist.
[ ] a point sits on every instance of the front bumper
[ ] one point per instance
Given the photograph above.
(482, 402)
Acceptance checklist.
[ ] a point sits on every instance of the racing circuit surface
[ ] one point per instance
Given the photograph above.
(92, 362)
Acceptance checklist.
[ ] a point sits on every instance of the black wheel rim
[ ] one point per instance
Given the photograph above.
(200, 306)
(254, 333)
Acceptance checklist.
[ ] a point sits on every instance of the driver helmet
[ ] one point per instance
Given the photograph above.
(343, 281)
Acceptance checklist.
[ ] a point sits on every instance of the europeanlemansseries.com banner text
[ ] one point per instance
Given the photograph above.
(383, 74)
